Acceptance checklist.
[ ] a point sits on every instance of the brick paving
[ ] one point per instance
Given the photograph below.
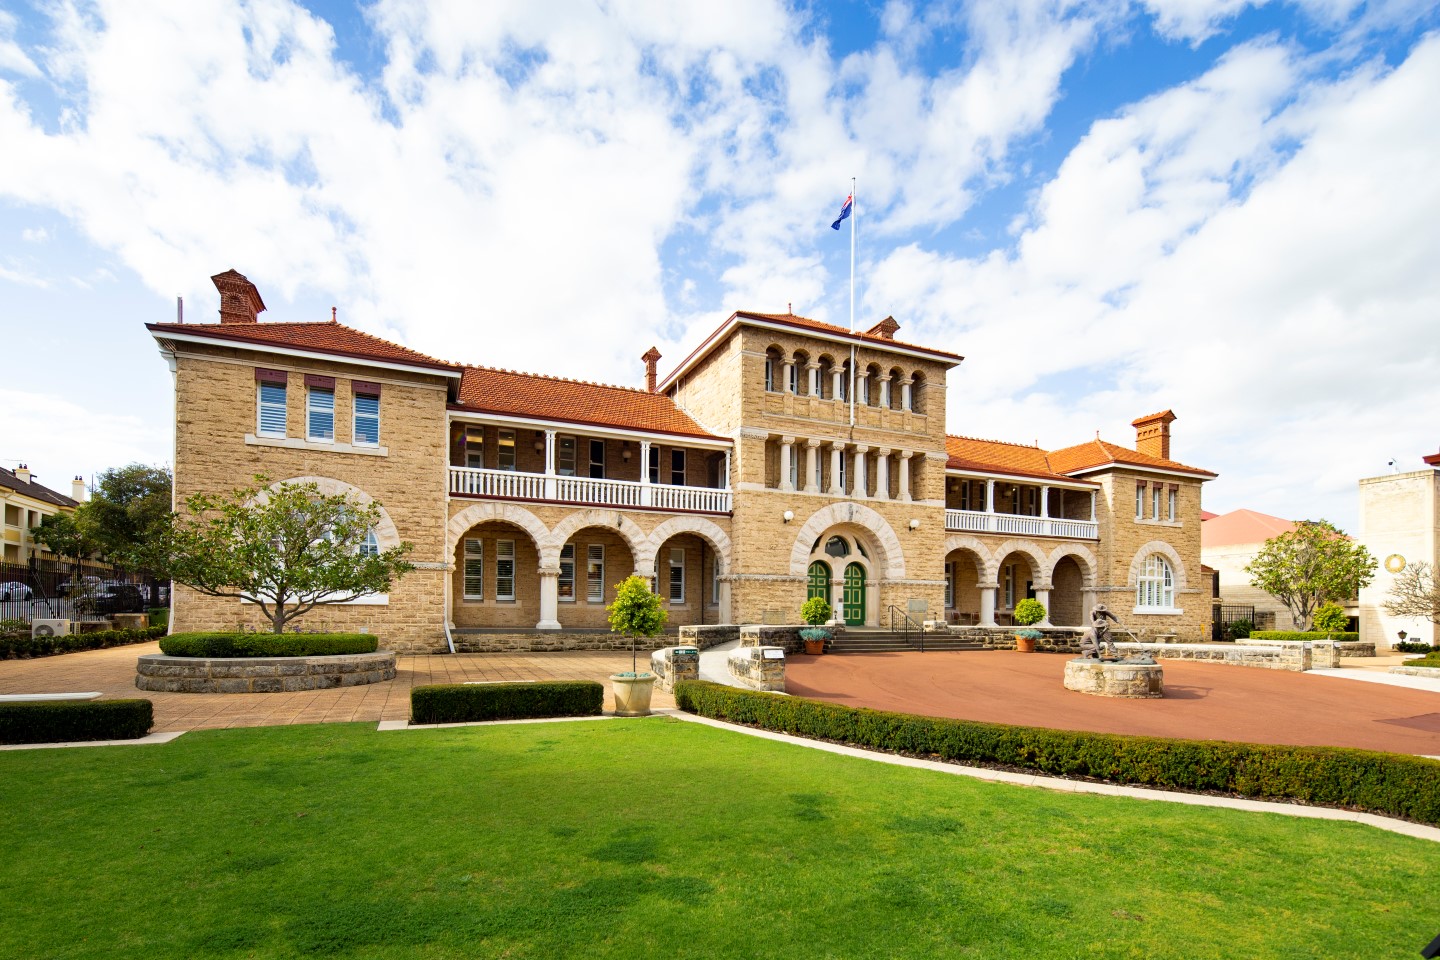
(112, 673)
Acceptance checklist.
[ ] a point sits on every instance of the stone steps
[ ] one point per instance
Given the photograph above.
(882, 642)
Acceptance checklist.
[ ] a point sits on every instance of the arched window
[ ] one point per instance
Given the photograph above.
(825, 385)
(774, 366)
(1156, 586)
(893, 400)
(370, 547)
(799, 378)
(917, 392)
(837, 547)
(870, 386)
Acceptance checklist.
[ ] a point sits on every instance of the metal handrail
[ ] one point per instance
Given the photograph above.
(906, 624)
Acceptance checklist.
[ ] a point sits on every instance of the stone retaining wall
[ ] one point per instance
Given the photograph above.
(674, 663)
(1052, 639)
(711, 635)
(1270, 656)
(759, 668)
(786, 637)
(550, 641)
(162, 674)
(1431, 672)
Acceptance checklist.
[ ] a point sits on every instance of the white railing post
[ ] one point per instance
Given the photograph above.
(646, 492)
(1044, 502)
(549, 464)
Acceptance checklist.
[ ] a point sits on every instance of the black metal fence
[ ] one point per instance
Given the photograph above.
(49, 589)
(1228, 614)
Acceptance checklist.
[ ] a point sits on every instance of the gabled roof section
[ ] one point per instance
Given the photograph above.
(511, 393)
(995, 456)
(1097, 454)
(34, 490)
(330, 338)
(1242, 526)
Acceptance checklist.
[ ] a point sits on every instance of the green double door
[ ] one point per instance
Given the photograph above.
(852, 595)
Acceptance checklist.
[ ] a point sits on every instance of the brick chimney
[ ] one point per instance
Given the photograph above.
(77, 490)
(885, 328)
(650, 356)
(22, 473)
(1152, 434)
(239, 300)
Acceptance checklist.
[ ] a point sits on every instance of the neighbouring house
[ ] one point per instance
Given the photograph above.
(25, 503)
(1228, 542)
(1399, 525)
(783, 458)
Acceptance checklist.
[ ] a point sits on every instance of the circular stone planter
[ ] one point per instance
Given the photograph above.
(1115, 678)
(162, 674)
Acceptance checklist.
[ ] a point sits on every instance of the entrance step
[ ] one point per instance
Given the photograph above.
(884, 642)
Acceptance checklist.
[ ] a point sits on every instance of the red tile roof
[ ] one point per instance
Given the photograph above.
(995, 456)
(325, 337)
(1242, 526)
(1099, 453)
(805, 323)
(507, 392)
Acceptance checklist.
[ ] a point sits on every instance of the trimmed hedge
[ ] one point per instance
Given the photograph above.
(15, 646)
(1429, 660)
(1410, 646)
(1293, 636)
(63, 721)
(466, 702)
(268, 644)
(1393, 784)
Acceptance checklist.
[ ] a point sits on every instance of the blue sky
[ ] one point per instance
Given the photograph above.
(1221, 207)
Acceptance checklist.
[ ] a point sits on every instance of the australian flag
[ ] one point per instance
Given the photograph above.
(844, 212)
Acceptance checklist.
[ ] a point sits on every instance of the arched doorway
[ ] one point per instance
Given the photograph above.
(1066, 593)
(854, 595)
(840, 571)
(819, 582)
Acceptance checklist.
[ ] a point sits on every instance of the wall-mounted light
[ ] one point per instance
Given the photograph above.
(539, 442)
(625, 451)
(915, 523)
(788, 515)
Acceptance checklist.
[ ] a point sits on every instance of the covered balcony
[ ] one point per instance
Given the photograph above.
(1008, 506)
(510, 462)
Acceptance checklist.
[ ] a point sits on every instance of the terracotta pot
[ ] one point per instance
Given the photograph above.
(1024, 644)
(632, 694)
(814, 647)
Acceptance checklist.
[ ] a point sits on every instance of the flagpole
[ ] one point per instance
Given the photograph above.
(854, 215)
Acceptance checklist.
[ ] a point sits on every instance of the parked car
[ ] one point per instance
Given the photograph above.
(14, 590)
(113, 598)
(87, 585)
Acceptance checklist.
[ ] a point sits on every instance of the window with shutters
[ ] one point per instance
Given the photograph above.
(271, 407)
(320, 413)
(474, 569)
(595, 573)
(677, 576)
(367, 420)
(504, 569)
(566, 582)
(1156, 585)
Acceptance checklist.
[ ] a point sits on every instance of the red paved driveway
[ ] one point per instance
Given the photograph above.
(1202, 701)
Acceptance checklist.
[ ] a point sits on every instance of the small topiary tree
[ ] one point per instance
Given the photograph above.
(1330, 618)
(815, 611)
(1029, 611)
(636, 612)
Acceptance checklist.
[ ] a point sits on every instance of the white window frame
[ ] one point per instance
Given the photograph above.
(1155, 494)
(844, 471)
(475, 451)
(1010, 586)
(794, 377)
(567, 573)
(565, 455)
(473, 569)
(506, 450)
(262, 405)
(795, 466)
(1155, 585)
(677, 455)
(596, 465)
(714, 580)
(654, 465)
(505, 555)
(950, 584)
(769, 374)
(312, 410)
(862, 391)
(595, 573)
(1173, 497)
(1139, 499)
(677, 575)
(370, 546)
(365, 418)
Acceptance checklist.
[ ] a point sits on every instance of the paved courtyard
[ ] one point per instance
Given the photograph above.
(112, 672)
(1202, 700)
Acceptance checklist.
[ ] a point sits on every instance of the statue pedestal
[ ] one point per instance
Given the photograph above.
(1115, 678)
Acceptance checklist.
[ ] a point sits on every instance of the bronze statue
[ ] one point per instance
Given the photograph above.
(1095, 641)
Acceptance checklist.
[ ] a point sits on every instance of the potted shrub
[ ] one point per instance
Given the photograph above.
(1027, 613)
(815, 611)
(635, 612)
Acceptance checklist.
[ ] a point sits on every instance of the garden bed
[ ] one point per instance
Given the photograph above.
(167, 674)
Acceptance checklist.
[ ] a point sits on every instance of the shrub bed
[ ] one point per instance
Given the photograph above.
(1410, 646)
(17, 645)
(1393, 784)
(1429, 660)
(466, 703)
(1293, 636)
(62, 721)
(268, 644)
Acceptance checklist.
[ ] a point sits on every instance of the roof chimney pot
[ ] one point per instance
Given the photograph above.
(77, 490)
(239, 300)
(1152, 434)
(650, 356)
(22, 473)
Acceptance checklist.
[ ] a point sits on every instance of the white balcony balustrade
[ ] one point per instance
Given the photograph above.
(510, 484)
(978, 521)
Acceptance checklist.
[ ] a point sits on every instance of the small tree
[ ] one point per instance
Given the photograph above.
(1029, 611)
(1309, 565)
(815, 611)
(1330, 618)
(69, 536)
(1414, 594)
(289, 549)
(128, 510)
(636, 612)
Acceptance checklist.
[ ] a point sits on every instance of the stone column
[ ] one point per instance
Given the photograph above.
(786, 452)
(812, 466)
(812, 374)
(905, 393)
(885, 390)
(989, 497)
(882, 474)
(549, 599)
(726, 611)
(837, 602)
(836, 390)
(860, 387)
(988, 592)
(1044, 502)
(1087, 603)
(550, 464)
(1042, 593)
(904, 481)
(1092, 506)
(645, 495)
(725, 476)
(837, 450)
(857, 485)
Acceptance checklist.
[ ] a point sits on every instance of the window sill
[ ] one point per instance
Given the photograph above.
(1157, 611)
(295, 443)
(1149, 522)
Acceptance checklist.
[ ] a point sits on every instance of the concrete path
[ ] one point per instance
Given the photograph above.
(714, 664)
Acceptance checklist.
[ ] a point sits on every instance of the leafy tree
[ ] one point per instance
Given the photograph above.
(1309, 565)
(815, 611)
(1330, 618)
(289, 548)
(636, 612)
(69, 536)
(128, 511)
(1414, 594)
(1029, 611)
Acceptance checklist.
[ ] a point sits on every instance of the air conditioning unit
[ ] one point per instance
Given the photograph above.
(50, 628)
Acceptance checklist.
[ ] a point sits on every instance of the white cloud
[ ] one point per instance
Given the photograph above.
(60, 439)
(12, 58)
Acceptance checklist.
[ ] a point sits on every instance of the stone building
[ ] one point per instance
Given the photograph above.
(1400, 526)
(783, 458)
(24, 502)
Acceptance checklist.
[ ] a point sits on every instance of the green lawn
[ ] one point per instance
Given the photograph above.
(653, 838)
